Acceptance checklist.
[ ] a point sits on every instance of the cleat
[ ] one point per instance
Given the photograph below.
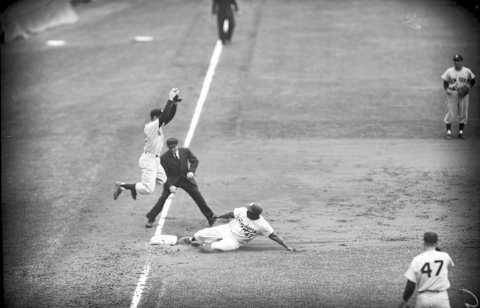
(449, 134)
(460, 135)
(118, 190)
(149, 224)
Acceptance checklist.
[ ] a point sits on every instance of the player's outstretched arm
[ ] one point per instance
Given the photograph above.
(280, 241)
(170, 107)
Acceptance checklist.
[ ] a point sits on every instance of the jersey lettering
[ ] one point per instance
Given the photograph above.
(426, 269)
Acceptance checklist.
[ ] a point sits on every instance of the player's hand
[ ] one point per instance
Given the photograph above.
(449, 91)
(190, 175)
(174, 95)
(173, 189)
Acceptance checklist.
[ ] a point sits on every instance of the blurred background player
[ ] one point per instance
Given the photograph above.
(428, 272)
(246, 224)
(149, 161)
(454, 78)
(225, 18)
(180, 165)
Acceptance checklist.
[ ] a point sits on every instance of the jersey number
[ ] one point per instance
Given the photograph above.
(426, 269)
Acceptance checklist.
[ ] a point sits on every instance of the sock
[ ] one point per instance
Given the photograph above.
(461, 126)
(129, 187)
(449, 126)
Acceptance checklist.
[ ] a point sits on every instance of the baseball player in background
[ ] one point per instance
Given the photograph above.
(246, 224)
(428, 272)
(149, 162)
(457, 82)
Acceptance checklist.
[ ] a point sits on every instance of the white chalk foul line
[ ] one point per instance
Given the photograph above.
(137, 295)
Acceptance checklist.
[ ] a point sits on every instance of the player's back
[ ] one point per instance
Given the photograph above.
(429, 270)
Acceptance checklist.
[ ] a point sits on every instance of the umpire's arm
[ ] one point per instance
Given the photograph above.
(192, 159)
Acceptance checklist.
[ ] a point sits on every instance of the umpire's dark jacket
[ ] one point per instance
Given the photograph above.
(177, 169)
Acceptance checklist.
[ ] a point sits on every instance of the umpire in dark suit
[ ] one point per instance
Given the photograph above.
(180, 165)
(223, 9)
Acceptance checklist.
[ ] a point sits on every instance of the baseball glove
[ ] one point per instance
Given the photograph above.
(462, 91)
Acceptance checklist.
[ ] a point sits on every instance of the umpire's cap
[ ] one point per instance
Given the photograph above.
(171, 142)
(254, 209)
(430, 238)
(457, 57)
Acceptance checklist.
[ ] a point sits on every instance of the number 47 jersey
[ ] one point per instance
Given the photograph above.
(429, 270)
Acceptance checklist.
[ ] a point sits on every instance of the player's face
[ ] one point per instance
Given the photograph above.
(173, 148)
(457, 64)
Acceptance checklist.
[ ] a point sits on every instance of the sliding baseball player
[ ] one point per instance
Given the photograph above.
(246, 224)
(149, 162)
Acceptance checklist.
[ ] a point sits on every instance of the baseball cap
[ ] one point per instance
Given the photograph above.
(430, 238)
(172, 142)
(457, 57)
(254, 209)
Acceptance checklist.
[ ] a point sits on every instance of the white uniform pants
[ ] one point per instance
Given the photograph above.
(432, 300)
(457, 108)
(220, 237)
(152, 172)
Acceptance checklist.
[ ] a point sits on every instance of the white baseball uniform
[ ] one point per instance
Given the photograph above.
(429, 270)
(149, 162)
(239, 231)
(457, 107)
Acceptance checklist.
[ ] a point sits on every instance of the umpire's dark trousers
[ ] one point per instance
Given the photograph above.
(221, 17)
(191, 189)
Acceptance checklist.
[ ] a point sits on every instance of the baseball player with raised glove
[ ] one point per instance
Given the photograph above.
(457, 82)
(149, 162)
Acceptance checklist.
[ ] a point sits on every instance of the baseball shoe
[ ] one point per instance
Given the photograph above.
(195, 244)
(449, 134)
(118, 190)
(149, 224)
(460, 134)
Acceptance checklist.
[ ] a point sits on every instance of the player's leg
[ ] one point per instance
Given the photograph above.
(231, 27)
(462, 115)
(161, 175)
(192, 190)
(451, 115)
(158, 207)
(148, 165)
(228, 243)
(220, 27)
(209, 235)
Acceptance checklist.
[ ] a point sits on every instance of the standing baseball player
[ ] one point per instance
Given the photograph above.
(457, 82)
(246, 224)
(225, 18)
(149, 161)
(428, 272)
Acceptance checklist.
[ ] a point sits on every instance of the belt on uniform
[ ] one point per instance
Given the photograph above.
(152, 154)
(431, 291)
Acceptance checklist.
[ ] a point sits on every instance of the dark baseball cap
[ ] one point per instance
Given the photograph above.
(254, 209)
(457, 57)
(171, 142)
(430, 238)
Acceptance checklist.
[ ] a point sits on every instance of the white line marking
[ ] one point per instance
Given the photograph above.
(137, 295)
(203, 93)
